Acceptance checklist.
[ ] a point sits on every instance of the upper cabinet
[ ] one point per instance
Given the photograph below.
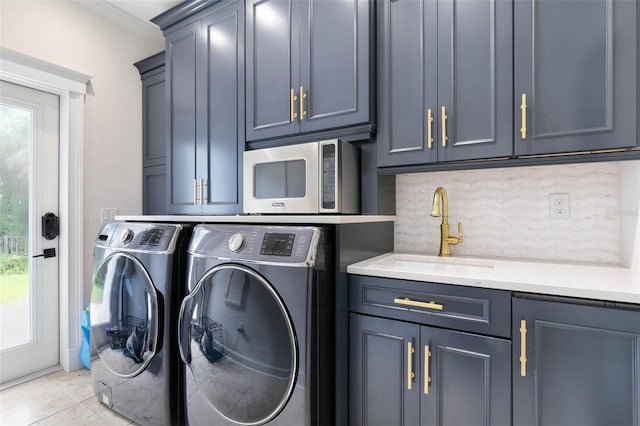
(444, 80)
(494, 79)
(308, 66)
(153, 134)
(576, 75)
(205, 94)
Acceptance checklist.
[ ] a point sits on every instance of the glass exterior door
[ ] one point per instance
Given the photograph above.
(239, 343)
(29, 152)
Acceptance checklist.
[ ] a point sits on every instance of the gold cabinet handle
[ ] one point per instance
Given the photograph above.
(523, 118)
(523, 348)
(410, 374)
(293, 98)
(429, 135)
(408, 302)
(202, 191)
(443, 114)
(303, 96)
(427, 378)
(196, 187)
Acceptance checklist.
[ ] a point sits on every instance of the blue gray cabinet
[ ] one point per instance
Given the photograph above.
(404, 370)
(152, 74)
(444, 80)
(308, 66)
(576, 80)
(205, 92)
(575, 364)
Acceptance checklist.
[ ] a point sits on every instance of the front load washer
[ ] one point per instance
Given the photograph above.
(256, 328)
(139, 270)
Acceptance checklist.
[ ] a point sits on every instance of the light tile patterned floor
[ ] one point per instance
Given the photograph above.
(56, 399)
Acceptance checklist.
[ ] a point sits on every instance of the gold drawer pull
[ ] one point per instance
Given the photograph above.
(523, 348)
(408, 302)
(443, 115)
(410, 374)
(302, 97)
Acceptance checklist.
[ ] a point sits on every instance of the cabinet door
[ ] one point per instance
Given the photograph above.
(576, 62)
(334, 63)
(182, 83)
(221, 115)
(474, 79)
(153, 119)
(407, 81)
(379, 368)
(464, 379)
(582, 364)
(154, 190)
(272, 68)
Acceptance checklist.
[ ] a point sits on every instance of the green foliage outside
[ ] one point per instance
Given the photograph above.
(13, 287)
(11, 265)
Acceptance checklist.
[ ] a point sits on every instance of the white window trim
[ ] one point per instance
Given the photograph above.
(71, 87)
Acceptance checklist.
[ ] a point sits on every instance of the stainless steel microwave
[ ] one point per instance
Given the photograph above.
(308, 178)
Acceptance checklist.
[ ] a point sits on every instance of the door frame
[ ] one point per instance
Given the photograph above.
(71, 87)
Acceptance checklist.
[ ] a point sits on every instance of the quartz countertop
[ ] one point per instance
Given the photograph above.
(611, 283)
(266, 219)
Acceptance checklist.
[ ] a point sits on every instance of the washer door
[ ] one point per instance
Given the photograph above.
(239, 343)
(124, 315)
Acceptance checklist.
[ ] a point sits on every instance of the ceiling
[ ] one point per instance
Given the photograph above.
(144, 10)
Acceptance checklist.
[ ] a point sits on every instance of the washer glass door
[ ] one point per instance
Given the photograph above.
(124, 315)
(239, 343)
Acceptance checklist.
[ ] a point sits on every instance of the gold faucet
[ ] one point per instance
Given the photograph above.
(445, 239)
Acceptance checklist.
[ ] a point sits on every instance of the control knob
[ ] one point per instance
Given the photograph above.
(236, 242)
(127, 236)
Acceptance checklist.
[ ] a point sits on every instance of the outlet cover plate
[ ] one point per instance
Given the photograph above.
(559, 205)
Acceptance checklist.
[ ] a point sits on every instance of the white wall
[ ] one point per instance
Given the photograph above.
(505, 212)
(91, 38)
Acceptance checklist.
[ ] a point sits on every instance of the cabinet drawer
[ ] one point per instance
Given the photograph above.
(477, 310)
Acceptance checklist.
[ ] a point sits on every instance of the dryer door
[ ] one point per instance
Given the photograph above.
(239, 343)
(124, 315)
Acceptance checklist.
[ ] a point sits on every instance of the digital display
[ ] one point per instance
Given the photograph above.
(275, 244)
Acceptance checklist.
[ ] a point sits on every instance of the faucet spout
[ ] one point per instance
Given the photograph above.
(446, 240)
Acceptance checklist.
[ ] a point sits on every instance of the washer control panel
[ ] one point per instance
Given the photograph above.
(138, 236)
(274, 244)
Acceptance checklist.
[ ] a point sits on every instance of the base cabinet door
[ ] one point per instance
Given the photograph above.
(406, 374)
(575, 364)
(381, 392)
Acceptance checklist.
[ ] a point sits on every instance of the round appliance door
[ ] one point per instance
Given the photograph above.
(239, 343)
(124, 315)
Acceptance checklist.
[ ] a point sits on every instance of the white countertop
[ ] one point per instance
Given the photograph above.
(271, 219)
(611, 283)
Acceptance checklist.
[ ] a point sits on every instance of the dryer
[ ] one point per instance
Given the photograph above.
(138, 276)
(256, 327)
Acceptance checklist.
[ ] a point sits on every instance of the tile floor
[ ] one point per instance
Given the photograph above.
(56, 399)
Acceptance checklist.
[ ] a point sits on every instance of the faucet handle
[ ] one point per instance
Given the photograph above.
(459, 232)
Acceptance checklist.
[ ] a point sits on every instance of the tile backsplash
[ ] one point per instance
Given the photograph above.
(506, 212)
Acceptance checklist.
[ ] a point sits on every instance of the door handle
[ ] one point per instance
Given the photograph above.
(427, 377)
(523, 117)
(523, 348)
(443, 115)
(410, 374)
(292, 105)
(50, 226)
(429, 123)
(408, 302)
(303, 96)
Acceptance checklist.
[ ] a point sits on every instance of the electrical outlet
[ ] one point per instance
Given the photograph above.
(559, 206)
(108, 213)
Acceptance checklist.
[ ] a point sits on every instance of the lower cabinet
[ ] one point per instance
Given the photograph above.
(575, 364)
(406, 374)
(405, 371)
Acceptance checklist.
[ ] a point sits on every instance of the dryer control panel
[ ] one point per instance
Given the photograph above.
(258, 243)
